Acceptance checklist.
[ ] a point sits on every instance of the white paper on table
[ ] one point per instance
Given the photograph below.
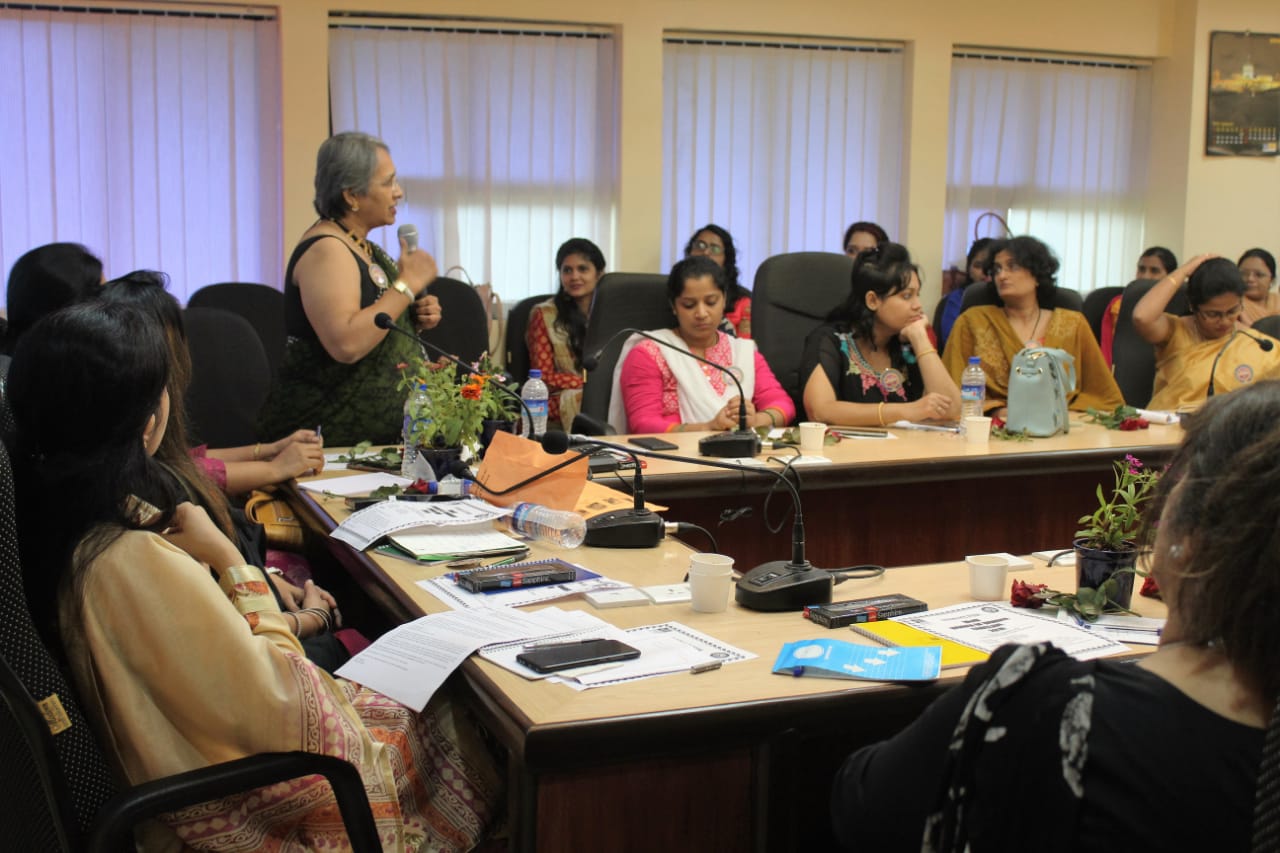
(1155, 416)
(988, 625)
(1134, 630)
(355, 484)
(331, 462)
(449, 541)
(665, 648)
(364, 527)
(447, 590)
(409, 663)
(802, 460)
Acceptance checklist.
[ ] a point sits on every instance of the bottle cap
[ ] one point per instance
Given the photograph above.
(535, 374)
(973, 359)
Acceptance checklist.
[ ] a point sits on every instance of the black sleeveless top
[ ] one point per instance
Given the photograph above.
(352, 402)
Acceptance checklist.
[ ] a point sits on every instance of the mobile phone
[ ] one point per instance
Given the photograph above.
(649, 442)
(557, 656)
(355, 503)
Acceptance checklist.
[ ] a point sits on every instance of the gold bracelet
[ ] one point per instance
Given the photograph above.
(921, 355)
(880, 412)
(297, 623)
(773, 422)
(401, 287)
(257, 448)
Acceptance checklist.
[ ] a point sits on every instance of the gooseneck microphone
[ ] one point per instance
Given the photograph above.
(1264, 343)
(741, 442)
(409, 234)
(383, 321)
(774, 586)
(638, 527)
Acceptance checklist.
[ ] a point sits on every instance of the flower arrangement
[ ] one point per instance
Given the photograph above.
(1124, 418)
(1112, 526)
(457, 403)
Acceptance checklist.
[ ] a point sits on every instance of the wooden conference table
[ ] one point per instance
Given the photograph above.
(735, 759)
(920, 497)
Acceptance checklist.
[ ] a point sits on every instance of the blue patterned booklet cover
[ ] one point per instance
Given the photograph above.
(840, 659)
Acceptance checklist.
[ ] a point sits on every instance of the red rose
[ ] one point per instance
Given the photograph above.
(1023, 594)
(1150, 588)
(419, 487)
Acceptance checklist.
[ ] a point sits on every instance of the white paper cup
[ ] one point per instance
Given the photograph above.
(812, 435)
(987, 576)
(710, 580)
(977, 430)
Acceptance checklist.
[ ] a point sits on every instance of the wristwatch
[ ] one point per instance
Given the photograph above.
(404, 288)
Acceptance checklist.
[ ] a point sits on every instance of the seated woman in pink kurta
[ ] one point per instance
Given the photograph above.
(656, 390)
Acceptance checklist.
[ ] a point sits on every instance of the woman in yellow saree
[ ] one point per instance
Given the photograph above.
(1187, 347)
(1024, 271)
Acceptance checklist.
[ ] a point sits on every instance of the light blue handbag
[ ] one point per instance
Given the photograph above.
(1040, 379)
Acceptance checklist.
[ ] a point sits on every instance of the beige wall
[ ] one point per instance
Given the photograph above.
(1191, 197)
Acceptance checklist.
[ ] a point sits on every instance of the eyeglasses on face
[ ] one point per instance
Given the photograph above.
(1215, 316)
(707, 248)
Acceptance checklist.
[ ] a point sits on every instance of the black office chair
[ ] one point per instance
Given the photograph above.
(1095, 306)
(230, 378)
(623, 300)
(984, 293)
(793, 295)
(1133, 359)
(1268, 326)
(261, 305)
(517, 348)
(57, 790)
(464, 332)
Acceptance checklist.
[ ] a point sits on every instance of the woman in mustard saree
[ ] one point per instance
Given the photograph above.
(1024, 272)
(1186, 347)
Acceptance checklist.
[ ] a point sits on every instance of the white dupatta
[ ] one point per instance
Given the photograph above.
(699, 401)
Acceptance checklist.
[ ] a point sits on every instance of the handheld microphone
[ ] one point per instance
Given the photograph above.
(1265, 344)
(383, 321)
(770, 587)
(409, 234)
(638, 527)
(741, 442)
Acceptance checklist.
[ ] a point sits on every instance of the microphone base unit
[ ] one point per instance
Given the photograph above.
(779, 585)
(628, 528)
(730, 445)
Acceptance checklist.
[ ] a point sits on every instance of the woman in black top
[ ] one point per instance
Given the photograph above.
(873, 363)
(1039, 751)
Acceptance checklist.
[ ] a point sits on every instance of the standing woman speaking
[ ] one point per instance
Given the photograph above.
(339, 370)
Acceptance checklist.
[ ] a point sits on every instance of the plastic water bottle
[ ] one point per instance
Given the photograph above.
(534, 393)
(566, 529)
(973, 388)
(417, 413)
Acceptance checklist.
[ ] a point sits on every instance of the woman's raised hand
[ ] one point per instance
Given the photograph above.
(297, 460)
(417, 268)
(193, 531)
(916, 333)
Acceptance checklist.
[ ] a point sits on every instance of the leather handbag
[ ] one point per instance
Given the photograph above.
(282, 526)
(1040, 380)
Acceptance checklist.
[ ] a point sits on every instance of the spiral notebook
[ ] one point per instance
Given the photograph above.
(895, 634)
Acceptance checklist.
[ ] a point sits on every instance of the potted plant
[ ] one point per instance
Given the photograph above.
(1104, 544)
(449, 419)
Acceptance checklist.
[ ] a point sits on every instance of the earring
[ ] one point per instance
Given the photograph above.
(355, 208)
(1175, 552)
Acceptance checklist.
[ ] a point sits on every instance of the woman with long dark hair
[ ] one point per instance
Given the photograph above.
(712, 241)
(872, 363)
(179, 671)
(558, 328)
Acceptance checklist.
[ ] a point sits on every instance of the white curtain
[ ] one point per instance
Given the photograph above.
(782, 146)
(153, 140)
(506, 144)
(1058, 148)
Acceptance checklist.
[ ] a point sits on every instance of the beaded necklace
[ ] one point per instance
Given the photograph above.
(382, 268)
(890, 381)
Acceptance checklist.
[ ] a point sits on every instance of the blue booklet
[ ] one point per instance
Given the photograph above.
(841, 659)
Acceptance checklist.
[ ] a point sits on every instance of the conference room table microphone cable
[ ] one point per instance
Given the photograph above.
(774, 586)
(383, 321)
(739, 443)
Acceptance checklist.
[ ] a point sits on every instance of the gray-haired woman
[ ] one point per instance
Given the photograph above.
(340, 369)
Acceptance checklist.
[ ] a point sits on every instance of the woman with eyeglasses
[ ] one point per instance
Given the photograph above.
(1025, 273)
(715, 243)
(1187, 347)
(339, 368)
(1258, 269)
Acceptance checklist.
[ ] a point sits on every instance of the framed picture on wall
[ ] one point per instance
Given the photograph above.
(1243, 118)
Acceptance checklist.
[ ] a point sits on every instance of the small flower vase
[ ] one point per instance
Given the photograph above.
(1094, 566)
(441, 459)
(489, 427)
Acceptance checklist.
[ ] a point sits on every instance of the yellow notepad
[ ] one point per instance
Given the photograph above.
(891, 633)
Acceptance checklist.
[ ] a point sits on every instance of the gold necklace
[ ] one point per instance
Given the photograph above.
(361, 244)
